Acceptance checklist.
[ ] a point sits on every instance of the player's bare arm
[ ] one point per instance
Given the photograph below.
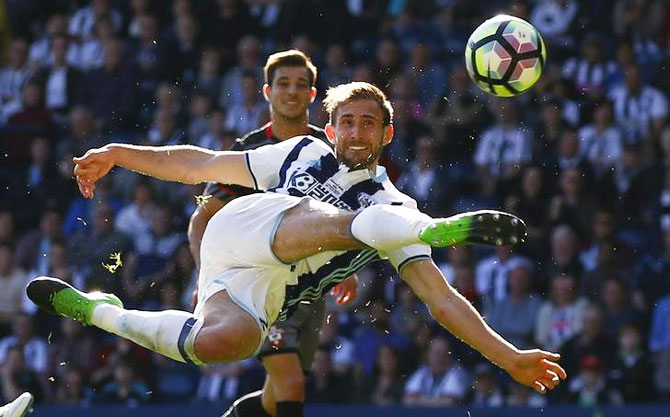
(181, 163)
(534, 368)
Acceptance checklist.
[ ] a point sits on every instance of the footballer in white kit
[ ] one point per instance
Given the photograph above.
(295, 169)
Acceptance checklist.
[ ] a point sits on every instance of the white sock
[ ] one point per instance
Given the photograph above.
(170, 332)
(386, 227)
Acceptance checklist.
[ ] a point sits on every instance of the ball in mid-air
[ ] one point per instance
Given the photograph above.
(505, 56)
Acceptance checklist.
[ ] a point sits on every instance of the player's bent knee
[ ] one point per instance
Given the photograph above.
(224, 343)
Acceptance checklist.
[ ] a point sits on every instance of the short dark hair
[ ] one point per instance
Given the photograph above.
(290, 58)
(344, 93)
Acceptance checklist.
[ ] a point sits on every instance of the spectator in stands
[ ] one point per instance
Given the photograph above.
(502, 150)
(424, 178)
(13, 79)
(92, 247)
(135, 218)
(632, 371)
(323, 385)
(91, 51)
(39, 54)
(248, 60)
(590, 387)
(208, 79)
(487, 392)
(148, 57)
(32, 119)
(6, 226)
(184, 50)
(228, 381)
(387, 63)
(34, 246)
(564, 253)
(591, 340)
(603, 229)
(217, 137)
(438, 382)
(456, 256)
(12, 281)
(17, 376)
(83, 21)
(251, 112)
(152, 252)
(601, 143)
(83, 133)
(514, 316)
(428, 75)
(72, 389)
(575, 204)
(640, 109)
(659, 346)
(341, 347)
(455, 117)
(369, 337)
(125, 389)
(550, 130)
(491, 274)
(561, 317)
(33, 348)
(387, 383)
(60, 81)
(617, 310)
(109, 91)
(591, 71)
(73, 346)
(337, 70)
(555, 20)
(531, 203)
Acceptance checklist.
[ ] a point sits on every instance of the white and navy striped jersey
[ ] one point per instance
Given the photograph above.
(306, 166)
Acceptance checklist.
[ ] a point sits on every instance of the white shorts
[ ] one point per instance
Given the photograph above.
(236, 256)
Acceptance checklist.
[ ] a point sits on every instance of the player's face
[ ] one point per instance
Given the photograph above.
(290, 93)
(359, 134)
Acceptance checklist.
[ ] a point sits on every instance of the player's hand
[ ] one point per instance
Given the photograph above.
(88, 169)
(194, 296)
(346, 291)
(537, 369)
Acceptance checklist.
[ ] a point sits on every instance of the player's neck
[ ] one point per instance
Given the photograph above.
(283, 128)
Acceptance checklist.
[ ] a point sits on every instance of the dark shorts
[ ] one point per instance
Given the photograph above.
(297, 334)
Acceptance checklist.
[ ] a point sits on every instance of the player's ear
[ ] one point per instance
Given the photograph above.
(266, 92)
(388, 134)
(312, 95)
(330, 132)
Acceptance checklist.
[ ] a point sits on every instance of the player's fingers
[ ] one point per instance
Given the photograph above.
(550, 355)
(553, 375)
(548, 383)
(537, 385)
(556, 368)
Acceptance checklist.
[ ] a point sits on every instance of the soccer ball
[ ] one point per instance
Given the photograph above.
(505, 56)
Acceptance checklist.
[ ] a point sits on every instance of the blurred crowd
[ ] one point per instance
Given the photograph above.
(584, 159)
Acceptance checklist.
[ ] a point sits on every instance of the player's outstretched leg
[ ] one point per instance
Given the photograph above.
(313, 227)
(19, 407)
(224, 332)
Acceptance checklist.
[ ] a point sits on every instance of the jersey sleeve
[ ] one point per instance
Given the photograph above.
(268, 164)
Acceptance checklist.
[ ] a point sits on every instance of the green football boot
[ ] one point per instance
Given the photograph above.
(483, 227)
(59, 297)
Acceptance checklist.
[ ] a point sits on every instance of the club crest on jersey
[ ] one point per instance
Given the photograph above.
(276, 337)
